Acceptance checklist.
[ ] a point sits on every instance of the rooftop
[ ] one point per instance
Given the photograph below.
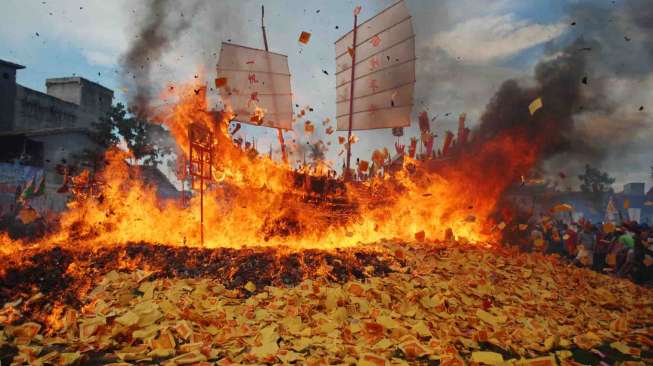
(76, 80)
(11, 64)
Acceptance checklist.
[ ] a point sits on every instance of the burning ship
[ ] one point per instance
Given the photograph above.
(404, 269)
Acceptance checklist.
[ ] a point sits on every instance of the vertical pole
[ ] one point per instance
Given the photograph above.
(183, 177)
(284, 157)
(351, 97)
(190, 157)
(202, 196)
(265, 38)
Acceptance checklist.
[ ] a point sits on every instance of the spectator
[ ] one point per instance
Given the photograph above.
(537, 238)
(587, 240)
(555, 243)
(641, 269)
(603, 243)
(571, 241)
(627, 253)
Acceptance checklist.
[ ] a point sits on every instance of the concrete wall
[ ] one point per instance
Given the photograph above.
(62, 147)
(634, 188)
(59, 148)
(93, 99)
(70, 102)
(34, 110)
(7, 96)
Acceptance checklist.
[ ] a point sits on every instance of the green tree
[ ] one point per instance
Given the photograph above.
(149, 142)
(595, 181)
(104, 135)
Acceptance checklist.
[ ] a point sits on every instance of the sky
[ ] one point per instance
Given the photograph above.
(466, 49)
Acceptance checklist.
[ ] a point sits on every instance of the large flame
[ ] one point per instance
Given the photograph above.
(257, 201)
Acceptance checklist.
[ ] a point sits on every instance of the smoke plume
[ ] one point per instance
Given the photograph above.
(591, 83)
(174, 41)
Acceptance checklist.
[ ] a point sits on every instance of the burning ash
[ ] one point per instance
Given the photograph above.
(69, 273)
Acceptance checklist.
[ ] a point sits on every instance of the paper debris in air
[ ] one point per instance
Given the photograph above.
(535, 105)
(304, 37)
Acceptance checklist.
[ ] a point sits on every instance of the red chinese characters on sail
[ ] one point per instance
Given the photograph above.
(382, 73)
(374, 63)
(374, 85)
(258, 85)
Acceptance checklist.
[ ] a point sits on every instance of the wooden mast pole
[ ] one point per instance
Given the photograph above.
(202, 156)
(279, 131)
(183, 177)
(351, 98)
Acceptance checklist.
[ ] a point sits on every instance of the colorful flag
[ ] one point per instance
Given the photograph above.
(28, 191)
(41, 188)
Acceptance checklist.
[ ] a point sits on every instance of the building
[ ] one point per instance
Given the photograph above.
(41, 133)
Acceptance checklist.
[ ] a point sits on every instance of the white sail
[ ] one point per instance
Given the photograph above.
(384, 73)
(257, 85)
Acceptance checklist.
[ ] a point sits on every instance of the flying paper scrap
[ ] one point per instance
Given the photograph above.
(304, 37)
(535, 105)
(309, 127)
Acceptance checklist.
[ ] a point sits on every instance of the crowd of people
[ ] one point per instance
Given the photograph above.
(625, 249)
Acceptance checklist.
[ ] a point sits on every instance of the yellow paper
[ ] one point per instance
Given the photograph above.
(488, 358)
(535, 105)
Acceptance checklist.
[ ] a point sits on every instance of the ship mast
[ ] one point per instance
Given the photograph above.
(279, 131)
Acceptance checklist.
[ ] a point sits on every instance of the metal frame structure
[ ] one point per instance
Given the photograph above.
(200, 162)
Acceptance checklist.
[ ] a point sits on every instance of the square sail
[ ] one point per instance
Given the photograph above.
(255, 85)
(384, 72)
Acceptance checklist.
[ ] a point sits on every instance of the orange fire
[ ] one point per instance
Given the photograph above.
(257, 201)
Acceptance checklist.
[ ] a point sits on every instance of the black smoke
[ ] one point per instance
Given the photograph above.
(593, 84)
(171, 38)
(557, 84)
(160, 26)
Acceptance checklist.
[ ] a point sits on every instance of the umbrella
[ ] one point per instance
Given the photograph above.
(562, 207)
